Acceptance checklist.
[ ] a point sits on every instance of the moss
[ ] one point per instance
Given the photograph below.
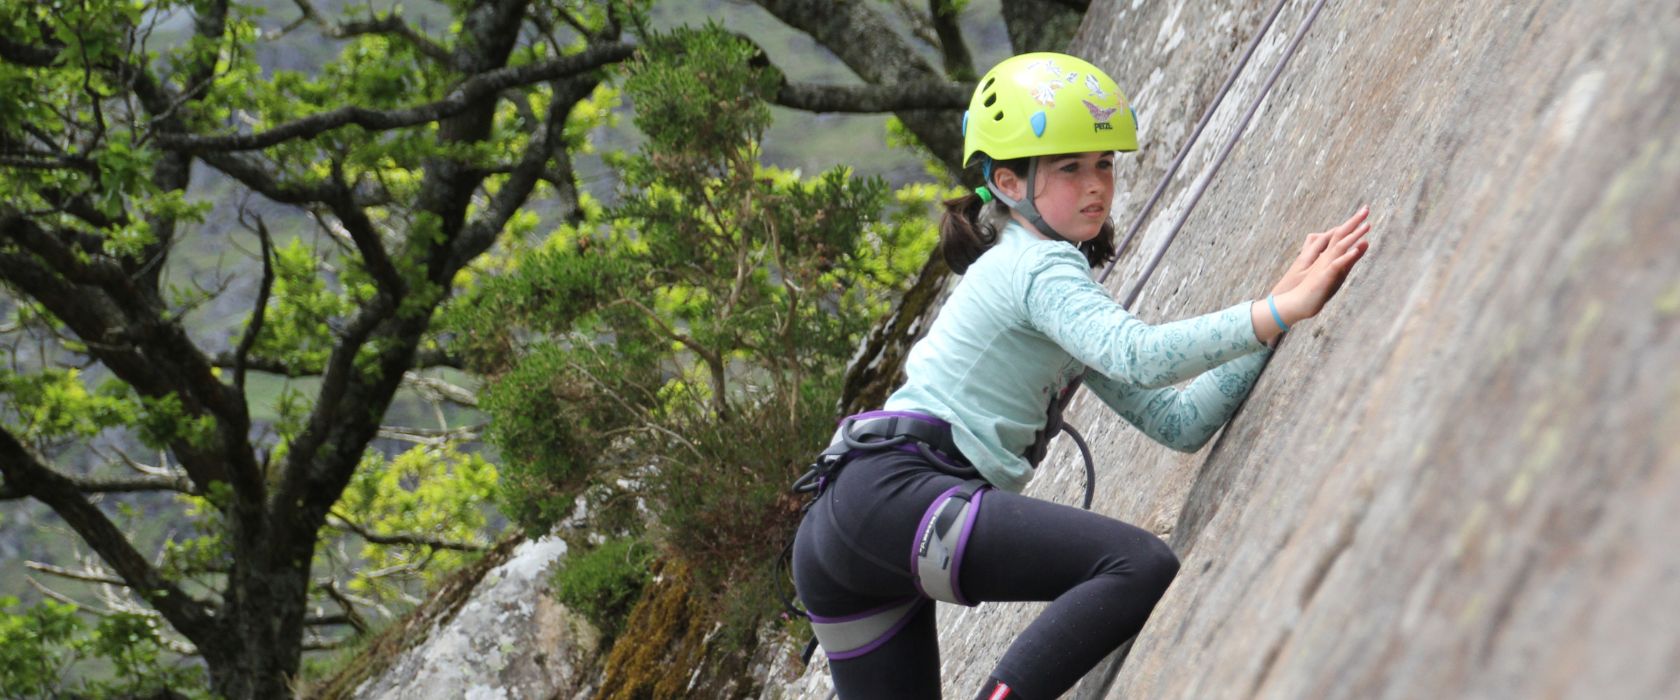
(663, 642)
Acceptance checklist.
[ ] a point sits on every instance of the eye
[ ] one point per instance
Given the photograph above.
(1071, 167)
(1105, 164)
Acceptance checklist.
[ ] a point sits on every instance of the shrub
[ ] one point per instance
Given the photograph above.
(602, 584)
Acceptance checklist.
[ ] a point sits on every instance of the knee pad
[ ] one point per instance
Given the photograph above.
(941, 538)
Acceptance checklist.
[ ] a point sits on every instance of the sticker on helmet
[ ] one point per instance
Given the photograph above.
(1043, 79)
(1094, 86)
(1099, 113)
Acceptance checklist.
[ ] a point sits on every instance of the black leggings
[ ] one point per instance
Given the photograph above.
(1105, 577)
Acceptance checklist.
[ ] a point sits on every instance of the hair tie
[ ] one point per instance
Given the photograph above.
(985, 194)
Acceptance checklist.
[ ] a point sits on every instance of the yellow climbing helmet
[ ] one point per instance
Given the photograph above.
(1040, 104)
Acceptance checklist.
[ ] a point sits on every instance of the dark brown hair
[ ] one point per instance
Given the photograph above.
(970, 226)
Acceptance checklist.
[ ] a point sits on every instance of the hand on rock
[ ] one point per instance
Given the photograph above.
(1325, 259)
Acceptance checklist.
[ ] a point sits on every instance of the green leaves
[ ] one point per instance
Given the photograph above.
(605, 582)
(438, 492)
(40, 645)
(699, 96)
(553, 417)
(55, 403)
(297, 330)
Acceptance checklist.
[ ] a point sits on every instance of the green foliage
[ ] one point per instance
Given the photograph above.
(296, 330)
(698, 88)
(439, 492)
(603, 583)
(54, 403)
(39, 646)
(552, 416)
(689, 341)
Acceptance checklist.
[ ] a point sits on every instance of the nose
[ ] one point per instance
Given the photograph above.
(1096, 180)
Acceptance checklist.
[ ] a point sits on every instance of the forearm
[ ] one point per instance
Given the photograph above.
(1266, 324)
(1128, 350)
(1183, 419)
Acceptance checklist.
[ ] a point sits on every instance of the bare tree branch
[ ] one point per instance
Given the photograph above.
(480, 234)
(920, 25)
(327, 645)
(125, 331)
(267, 285)
(1041, 25)
(874, 98)
(958, 62)
(351, 616)
(366, 237)
(129, 485)
(434, 388)
(885, 59)
(408, 539)
(47, 591)
(73, 575)
(424, 358)
(25, 473)
(390, 24)
(427, 436)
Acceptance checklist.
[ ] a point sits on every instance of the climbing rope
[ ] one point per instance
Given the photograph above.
(1195, 197)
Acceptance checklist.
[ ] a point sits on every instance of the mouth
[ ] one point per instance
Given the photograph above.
(1094, 210)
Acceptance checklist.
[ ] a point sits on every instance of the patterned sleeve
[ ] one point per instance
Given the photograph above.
(1183, 419)
(1064, 304)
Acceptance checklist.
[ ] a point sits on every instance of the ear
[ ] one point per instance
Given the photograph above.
(1007, 182)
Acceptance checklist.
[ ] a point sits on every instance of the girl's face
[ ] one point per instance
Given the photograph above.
(1073, 192)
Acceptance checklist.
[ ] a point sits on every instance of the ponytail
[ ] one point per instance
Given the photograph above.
(966, 229)
(970, 226)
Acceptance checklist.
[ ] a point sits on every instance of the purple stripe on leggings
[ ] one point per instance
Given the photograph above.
(859, 616)
(884, 638)
(962, 544)
(921, 533)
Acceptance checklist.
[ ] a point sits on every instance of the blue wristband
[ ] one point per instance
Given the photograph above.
(1271, 301)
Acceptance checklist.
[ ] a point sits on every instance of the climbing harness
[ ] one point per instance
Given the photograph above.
(935, 562)
(1054, 422)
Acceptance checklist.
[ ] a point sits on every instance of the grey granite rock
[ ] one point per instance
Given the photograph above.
(510, 640)
(1461, 479)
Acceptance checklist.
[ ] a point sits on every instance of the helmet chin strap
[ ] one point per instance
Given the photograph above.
(1025, 204)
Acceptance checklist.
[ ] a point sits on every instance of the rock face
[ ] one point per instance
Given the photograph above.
(510, 640)
(1460, 480)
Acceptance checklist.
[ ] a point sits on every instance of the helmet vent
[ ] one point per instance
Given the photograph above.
(989, 82)
(997, 117)
(989, 100)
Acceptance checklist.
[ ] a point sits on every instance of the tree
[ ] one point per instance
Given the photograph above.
(418, 153)
(410, 156)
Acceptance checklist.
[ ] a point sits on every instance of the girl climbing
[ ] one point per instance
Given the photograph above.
(920, 501)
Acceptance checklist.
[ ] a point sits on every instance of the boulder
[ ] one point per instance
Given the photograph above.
(509, 639)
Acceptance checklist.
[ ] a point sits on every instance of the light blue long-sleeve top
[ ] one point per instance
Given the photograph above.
(1027, 318)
